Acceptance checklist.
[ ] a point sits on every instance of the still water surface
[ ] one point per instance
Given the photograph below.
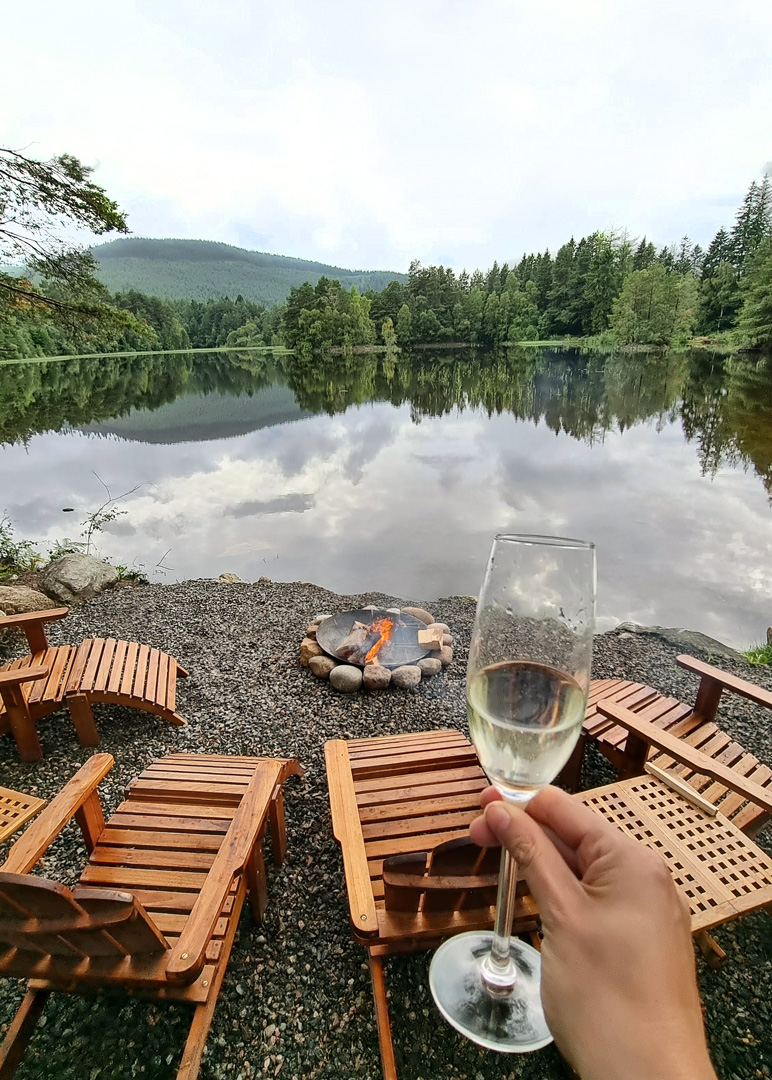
(392, 473)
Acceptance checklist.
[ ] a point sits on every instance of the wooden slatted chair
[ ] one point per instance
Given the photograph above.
(392, 797)
(694, 725)
(99, 670)
(158, 904)
(401, 809)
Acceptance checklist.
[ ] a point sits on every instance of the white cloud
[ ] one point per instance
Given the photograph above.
(366, 135)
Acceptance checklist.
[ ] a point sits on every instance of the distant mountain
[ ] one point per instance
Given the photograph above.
(204, 269)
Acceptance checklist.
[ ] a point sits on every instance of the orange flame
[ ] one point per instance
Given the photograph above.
(383, 627)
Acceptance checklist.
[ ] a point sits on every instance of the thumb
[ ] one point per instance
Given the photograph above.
(550, 879)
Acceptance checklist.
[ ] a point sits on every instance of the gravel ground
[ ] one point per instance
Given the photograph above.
(296, 1001)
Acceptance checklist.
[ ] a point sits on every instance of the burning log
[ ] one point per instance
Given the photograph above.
(362, 644)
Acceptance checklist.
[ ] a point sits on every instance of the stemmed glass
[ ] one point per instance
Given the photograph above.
(527, 682)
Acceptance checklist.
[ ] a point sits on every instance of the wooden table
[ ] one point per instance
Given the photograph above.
(720, 871)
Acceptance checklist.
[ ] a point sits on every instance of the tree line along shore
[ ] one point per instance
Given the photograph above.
(606, 287)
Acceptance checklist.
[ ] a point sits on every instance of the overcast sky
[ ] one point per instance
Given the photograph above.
(368, 134)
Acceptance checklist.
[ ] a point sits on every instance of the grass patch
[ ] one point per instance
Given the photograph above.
(759, 655)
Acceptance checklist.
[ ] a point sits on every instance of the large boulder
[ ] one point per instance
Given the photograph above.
(19, 599)
(75, 577)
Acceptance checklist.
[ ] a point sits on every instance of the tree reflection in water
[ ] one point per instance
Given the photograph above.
(724, 404)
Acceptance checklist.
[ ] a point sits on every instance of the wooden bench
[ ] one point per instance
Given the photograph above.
(98, 671)
(157, 907)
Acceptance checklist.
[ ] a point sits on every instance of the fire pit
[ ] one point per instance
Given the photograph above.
(375, 647)
(372, 635)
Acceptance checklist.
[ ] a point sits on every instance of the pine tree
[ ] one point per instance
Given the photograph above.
(718, 251)
(752, 223)
(754, 324)
(645, 255)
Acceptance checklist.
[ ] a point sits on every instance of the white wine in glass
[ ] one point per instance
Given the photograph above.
(527, 682)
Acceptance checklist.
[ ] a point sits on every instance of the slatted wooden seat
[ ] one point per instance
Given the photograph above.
(695, 725)
(401, 810)
(157, 906)
(99, 670)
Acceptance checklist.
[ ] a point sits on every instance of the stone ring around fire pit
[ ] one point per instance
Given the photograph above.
(375, 647)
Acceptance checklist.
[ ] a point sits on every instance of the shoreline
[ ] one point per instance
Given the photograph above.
(297, 992)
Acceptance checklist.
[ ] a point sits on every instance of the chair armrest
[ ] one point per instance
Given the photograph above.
(347, 830)
(31, 622)
(36, 839)
(729, 682)
(21, 620)
(686, 754)
(187, 957)
(21, 675)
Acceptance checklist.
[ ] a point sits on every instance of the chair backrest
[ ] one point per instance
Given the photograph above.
(455, 876)
(40, 918)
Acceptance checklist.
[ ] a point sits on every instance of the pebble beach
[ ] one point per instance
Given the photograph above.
(296, 1001)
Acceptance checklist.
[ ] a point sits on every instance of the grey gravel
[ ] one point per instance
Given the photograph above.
(296, 1001)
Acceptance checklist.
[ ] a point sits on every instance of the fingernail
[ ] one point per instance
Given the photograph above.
(498, 819)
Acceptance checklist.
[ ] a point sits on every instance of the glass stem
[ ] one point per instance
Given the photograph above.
(498, 970)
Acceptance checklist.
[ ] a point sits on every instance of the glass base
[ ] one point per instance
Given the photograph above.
(512, 1023)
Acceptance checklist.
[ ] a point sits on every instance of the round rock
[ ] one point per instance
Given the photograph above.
(321, 666)
(376, 677)
(447, 639)
(419, 613)
(441, 626)
(446, 655)
(407, 676)
(430, 665)
(346, 678)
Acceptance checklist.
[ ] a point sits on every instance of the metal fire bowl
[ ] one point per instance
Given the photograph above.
(402, 648)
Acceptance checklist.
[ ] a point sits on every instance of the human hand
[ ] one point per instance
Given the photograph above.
(619, 988)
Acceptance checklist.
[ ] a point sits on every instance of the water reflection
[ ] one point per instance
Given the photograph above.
(391, 472)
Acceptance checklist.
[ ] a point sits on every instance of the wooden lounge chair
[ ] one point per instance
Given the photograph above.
(694, 725)
(401, 809)
(393, 796)
(103, 670)
(158, 904)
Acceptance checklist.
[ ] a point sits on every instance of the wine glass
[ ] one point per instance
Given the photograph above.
(527, 682)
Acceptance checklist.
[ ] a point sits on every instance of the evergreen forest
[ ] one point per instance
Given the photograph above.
(605, 287)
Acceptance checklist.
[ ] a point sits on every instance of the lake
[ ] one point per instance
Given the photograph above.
(392, 473)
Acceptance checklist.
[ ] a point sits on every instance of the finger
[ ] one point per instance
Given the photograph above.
(550, 879)
(490, 795)
(480, 833)
(578, 827)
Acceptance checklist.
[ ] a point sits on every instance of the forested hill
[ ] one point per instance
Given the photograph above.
(203, 269)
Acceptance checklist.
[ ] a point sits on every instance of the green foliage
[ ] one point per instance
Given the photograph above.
(754, 325)
(16, 555)
(388, 333)
(719, 298)
(655, 307)
(759, 655)
(38, 200)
